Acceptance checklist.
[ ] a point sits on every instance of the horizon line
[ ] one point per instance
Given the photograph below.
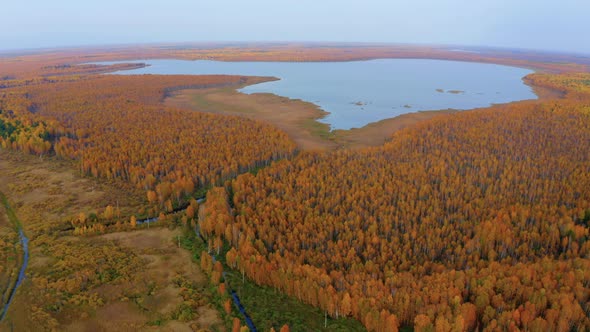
(40, 50)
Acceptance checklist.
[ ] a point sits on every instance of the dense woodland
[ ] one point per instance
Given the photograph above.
(117, 128)
(476, 220)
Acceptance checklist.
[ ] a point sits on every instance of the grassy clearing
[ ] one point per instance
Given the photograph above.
(10, 212)
(130, 281)
(202, 102)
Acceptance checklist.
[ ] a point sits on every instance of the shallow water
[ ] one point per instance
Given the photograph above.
(21, 274)
(357, 93)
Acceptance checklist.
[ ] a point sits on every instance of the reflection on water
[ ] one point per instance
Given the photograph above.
(360, 92)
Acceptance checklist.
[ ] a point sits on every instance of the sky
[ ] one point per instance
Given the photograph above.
(530, 24)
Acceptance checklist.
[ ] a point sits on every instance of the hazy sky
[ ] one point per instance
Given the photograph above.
(537, 24)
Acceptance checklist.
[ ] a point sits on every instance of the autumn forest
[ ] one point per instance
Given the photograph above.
(459, 221)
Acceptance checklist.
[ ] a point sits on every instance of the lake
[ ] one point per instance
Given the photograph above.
(357, 93)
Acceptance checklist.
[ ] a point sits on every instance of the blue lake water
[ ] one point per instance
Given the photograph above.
(357, 93)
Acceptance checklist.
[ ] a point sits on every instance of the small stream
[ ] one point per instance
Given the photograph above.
(179, 209)
(241, 308)
(234, 295)
(21, 275)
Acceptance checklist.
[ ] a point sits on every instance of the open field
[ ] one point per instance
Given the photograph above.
(157, 296)
(124, 280)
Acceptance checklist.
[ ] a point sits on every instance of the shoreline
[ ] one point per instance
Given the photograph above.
(543, 61)
(304, 128)
(299, 118)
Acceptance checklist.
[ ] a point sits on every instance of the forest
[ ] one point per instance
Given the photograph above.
(116, 127)
(475, 220)
(444, 226)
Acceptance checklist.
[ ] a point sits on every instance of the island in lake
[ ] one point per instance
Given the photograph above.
(456, 92)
